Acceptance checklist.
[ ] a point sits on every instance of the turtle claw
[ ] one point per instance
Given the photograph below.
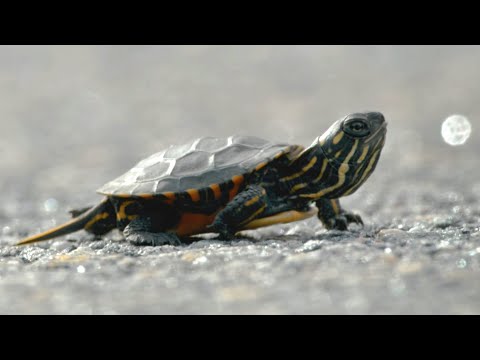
(225, 236)
(224, 232)
(353, 218)
(341, 221)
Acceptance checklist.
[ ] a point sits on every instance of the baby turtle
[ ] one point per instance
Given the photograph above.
(225, 185)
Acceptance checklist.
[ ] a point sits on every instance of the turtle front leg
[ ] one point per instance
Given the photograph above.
(244, 207)
(139, 232)
(333, 216)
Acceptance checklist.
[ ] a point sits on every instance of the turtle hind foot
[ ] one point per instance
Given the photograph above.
(139, 233)
(144, 238)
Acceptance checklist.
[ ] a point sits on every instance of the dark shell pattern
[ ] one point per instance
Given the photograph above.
(194, 165)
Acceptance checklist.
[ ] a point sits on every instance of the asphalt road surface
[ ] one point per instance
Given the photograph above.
(74, 117)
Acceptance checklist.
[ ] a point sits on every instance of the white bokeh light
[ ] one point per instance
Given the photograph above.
(456, 130)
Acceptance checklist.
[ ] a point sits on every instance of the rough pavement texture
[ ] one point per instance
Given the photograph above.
(75, 117)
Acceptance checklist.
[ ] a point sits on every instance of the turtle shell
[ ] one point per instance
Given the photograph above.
(195, 165)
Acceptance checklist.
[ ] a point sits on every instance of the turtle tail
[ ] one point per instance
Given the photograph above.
(98, 220)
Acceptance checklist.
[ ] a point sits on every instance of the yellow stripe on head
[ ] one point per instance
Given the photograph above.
(367, 171)
(364, 154)
(358, 172)
(298, 187)
(303, 171)
(337, 138)
(342, 170)
(324, 166)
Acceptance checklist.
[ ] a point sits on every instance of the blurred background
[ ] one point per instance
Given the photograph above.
(74, 117)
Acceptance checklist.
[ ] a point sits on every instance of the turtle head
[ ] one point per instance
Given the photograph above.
(355, 138)
(352, 146)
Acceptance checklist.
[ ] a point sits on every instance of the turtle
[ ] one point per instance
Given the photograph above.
(227, 185)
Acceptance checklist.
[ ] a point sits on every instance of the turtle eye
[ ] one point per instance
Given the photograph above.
(356, 127)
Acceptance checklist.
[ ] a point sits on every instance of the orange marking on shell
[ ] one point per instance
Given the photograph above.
(237, 182)
(123, 196)
(191, 224)
(217, 192)
(260, 166)
(194, 194)
(170, 197)
(146, 196)
(279, 154)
